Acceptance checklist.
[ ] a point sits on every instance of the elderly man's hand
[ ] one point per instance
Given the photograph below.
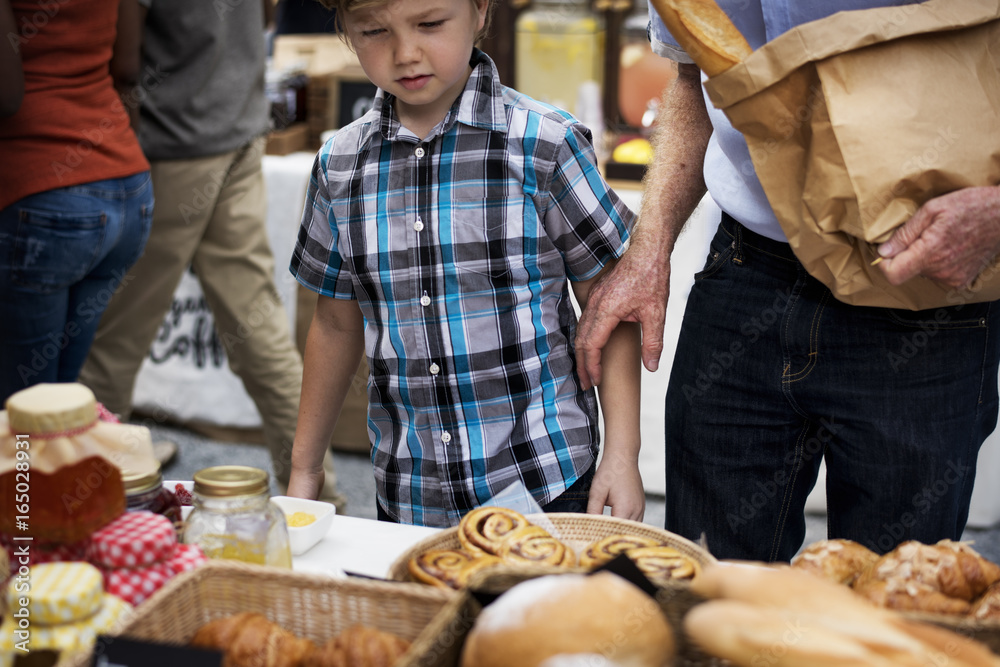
(636, 290)
(951, 239)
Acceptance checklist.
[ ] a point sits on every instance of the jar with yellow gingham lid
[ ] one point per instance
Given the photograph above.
(66, 607)
(61, 592)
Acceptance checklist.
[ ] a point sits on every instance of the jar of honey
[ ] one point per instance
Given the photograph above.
(559, 46)
(234, 518)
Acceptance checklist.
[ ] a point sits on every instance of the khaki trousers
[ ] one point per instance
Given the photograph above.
(209, 213)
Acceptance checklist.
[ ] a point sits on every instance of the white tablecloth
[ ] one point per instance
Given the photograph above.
(360, 546)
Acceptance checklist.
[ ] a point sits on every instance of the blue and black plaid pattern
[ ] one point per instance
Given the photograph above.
(458, 249)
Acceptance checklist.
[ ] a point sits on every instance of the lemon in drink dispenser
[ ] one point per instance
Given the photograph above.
(559, 46)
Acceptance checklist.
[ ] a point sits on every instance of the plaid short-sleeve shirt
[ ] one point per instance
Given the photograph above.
(458, 249)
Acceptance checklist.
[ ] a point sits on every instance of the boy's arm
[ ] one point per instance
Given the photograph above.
(333, 351)
(617, 483)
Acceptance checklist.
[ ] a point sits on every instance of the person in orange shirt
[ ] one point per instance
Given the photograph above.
(76, 202)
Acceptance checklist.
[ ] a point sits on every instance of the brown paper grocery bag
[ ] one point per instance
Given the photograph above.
(855, 120)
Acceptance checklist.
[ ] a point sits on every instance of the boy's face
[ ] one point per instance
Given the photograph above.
(419, 52)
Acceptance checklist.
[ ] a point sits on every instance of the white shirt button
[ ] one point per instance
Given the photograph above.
(419, 152)
(446, 437)
(418, 226)
(425, 301)
(435, 369)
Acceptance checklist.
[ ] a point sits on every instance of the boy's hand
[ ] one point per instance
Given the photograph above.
(618, 485)
(306, 483)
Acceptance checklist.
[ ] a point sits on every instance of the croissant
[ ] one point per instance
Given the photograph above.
(941, 578)
(840, 561)
(988, 604)
(358, 646)
(251, 640)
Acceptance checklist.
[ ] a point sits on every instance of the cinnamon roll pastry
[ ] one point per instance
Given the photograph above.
(440, 567)
(663, 564)
(484, 529)
(475, 566)
(534, 544)
(840, 561)
(607, 548)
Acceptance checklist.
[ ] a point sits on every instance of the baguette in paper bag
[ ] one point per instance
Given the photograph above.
(705, 32)
(856, 120)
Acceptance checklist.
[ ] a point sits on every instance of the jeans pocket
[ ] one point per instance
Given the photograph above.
(145, 226)
(53, 250)
(719, 253)
(968, 316)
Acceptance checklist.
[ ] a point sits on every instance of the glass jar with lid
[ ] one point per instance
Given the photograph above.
(559, 45)
(234, 518)
(145, 491)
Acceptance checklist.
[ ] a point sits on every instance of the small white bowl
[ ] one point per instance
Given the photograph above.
(304, 538)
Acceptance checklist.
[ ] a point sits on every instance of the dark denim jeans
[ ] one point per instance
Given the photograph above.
(573, 499)
(62, 255)
(772, 375)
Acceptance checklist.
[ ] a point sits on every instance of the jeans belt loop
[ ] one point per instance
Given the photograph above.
(737, 242)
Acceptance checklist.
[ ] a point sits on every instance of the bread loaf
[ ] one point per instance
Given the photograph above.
(570, 614)
(705, 32)
(790, 618)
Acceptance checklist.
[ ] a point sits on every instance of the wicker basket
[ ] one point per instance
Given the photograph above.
(317, 608)
(440, 645)
(576, 530)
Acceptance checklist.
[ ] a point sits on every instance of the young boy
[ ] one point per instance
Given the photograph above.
(440, 231)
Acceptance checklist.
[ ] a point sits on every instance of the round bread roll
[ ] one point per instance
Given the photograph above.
(570, 614)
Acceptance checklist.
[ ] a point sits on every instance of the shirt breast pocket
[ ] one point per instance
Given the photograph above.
(485, 244)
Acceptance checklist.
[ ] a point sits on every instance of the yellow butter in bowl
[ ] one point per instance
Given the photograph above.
(308, 521)
(299, 519)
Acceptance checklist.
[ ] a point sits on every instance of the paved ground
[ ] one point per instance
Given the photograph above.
(355, 478)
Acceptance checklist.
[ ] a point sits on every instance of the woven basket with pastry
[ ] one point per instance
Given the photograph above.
(491, 536)
(789, 618)
(944, 578)
(268, 617)
(948, 583)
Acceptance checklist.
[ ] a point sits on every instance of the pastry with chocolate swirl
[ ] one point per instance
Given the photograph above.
(484, 529)
(534, 544)
(449, 568)
(606, 548)
(662, 564)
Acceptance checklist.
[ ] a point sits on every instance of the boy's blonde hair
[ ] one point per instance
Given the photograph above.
(345, 6)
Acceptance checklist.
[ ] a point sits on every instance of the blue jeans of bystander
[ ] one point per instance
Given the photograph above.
(63, 253)
(773, 375)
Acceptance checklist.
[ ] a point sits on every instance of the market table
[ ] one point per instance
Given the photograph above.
(360, 546)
